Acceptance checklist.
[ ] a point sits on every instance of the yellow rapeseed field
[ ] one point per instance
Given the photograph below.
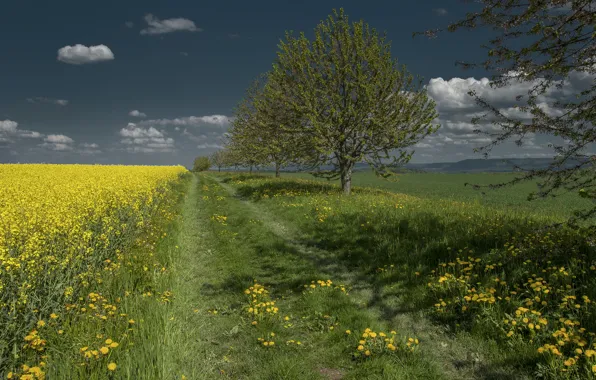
(61, 227)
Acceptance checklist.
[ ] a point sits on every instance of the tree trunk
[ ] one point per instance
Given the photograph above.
(250, 170)
(346, 177)
(277, 170)
(219, 168)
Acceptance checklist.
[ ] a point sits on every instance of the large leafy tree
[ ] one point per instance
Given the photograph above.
(543, 43)
(355, 104)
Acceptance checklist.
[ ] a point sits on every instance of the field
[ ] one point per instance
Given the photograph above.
(255, 277)
(452, 186)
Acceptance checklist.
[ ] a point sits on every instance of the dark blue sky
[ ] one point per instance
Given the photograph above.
(179, 74)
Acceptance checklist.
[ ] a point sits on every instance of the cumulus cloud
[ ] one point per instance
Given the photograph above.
(40, 99)
(81, 54)
(156, 26)
(8, 126)
(58, 143)
(137, 113)
(456, 109)
(145, 140)
(191, 121)
(440, 11)
(10, 130)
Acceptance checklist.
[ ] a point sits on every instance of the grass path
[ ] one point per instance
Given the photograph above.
(210, 335)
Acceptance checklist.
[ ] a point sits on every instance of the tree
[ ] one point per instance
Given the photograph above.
(218, 159)
(258, 131)
(355, 102)
(201, 164)
(550, 41)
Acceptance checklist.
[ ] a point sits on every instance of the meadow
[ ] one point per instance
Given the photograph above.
(152, 273)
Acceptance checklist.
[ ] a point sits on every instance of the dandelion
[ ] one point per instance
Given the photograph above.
(112, 366)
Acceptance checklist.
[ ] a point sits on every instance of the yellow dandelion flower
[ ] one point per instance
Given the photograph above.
(112, 366)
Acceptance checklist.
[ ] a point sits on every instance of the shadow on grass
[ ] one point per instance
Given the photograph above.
(381, 260)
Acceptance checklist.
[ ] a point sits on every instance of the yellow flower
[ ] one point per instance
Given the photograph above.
(104, 350)
(53, 316)
(41, 323)
(367, 353)
(114, 345)
(112, 366)
(109, 341)
(348, 332)
(360, 348)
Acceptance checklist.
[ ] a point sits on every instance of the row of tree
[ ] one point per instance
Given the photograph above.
(330, 103)
(339, 99)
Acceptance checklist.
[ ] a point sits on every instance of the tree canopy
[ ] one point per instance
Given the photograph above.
(201, 164)
(353, 102)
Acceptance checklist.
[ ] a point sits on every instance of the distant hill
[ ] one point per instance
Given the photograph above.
(476, 165)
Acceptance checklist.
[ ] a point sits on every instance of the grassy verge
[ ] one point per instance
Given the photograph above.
(515, 303)
(231, 249)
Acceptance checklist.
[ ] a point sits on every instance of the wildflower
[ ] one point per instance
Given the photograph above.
(112, 366)
(348, 332)
(360, 348)
(104, 350)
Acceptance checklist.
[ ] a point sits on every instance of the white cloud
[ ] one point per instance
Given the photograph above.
(58, 143)
(145, 140)
(137, 113)
(440, 11)
(39, 99)
(81, 54)
(8, 126)
(209, 146)
(89, 149)
(157, 26)
(184, 54)
(191, 121)
(9, 129)
(129, 24)
(62, 139)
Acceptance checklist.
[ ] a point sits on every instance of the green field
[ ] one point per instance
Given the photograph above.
(452, 186)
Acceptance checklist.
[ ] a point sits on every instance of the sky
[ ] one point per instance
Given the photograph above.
(155, 82)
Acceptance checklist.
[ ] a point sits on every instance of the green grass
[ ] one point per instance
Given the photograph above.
(392, 247)
(452, 186)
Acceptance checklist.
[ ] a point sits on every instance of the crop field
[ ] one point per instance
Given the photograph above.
(75, 242)
(115, 272)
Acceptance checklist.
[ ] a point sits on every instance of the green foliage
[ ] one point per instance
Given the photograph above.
(201, 164)
(355, 104)
(258, 133)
